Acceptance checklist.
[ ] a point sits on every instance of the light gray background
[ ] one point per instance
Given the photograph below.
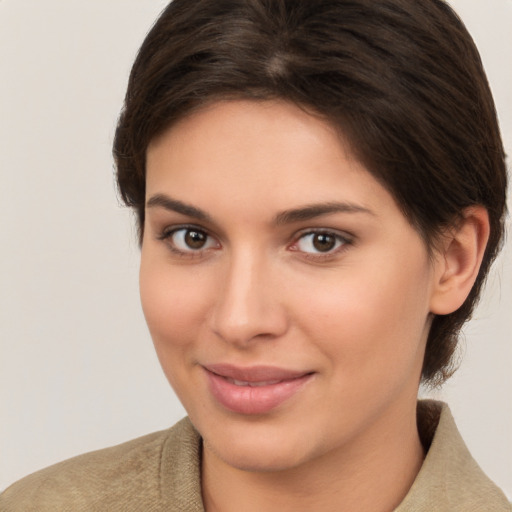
(77, 368)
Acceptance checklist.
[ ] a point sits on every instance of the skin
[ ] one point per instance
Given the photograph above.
(258, 292)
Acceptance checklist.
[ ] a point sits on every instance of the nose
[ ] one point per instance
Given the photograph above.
(248, 306)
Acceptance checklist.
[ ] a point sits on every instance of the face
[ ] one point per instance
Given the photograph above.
(287, 296)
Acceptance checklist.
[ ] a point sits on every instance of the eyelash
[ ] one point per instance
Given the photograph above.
(168, 233)
(344, 240)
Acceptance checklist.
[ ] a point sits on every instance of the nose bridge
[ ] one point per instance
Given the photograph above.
(248, 305)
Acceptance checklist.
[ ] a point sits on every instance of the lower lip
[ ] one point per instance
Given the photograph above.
(254, 399)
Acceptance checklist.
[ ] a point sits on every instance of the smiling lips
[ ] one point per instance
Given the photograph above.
(254, 390)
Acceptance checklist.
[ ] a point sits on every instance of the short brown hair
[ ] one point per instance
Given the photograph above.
(401, 79)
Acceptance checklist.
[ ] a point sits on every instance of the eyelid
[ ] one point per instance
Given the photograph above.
(166, 234)
(344, 235)
(345, 238)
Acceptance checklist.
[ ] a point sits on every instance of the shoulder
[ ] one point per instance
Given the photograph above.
(124, 477)
(450, 479)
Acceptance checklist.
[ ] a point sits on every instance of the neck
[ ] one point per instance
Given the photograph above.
(373, 474)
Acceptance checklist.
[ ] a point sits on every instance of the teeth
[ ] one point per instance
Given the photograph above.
(238, 382)
(253, 384)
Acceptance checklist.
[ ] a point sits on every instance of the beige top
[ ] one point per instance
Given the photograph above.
(160, 472)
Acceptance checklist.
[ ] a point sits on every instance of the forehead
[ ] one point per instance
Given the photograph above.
(252, 126)
(258, 156)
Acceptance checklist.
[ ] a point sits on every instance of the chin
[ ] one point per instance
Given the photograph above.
(258, 458)
(257, 448)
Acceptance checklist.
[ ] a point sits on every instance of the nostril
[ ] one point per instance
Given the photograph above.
(241, 326)
(247, 305)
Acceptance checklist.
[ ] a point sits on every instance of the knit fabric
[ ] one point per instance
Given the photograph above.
(161, 472)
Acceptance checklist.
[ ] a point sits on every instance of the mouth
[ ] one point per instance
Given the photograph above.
(254, 390)
(253, 384)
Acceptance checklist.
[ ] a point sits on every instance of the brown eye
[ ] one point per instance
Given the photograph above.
(195, 239)
(323, 242)
(320, 242)
(188, 240)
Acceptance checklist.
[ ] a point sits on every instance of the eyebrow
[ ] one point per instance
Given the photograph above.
(303, 213)
(173, 205)
(312, 211)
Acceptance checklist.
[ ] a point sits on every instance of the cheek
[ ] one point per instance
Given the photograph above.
(173, 303)
(369, 322)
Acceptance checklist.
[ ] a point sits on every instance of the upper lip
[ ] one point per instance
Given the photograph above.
(257, 373)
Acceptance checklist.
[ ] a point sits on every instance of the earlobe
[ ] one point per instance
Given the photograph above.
(458, 261)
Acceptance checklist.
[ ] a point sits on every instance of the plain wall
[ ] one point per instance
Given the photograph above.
(77, 367)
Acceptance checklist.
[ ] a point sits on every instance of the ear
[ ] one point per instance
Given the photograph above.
(458, 261)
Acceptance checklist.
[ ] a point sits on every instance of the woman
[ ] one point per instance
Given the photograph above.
(320, 191)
